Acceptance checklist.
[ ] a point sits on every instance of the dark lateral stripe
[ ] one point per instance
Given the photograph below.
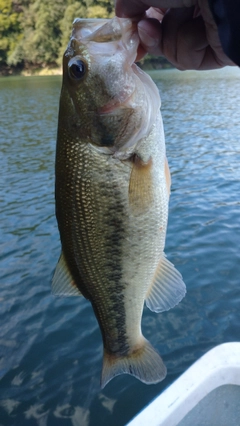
(116, 315)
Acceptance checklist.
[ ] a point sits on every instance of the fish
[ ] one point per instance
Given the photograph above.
(112, 191)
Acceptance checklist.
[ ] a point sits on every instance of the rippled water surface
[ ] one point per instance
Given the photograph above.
(50, 348)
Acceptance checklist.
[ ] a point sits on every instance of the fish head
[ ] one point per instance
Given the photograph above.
(112, 100)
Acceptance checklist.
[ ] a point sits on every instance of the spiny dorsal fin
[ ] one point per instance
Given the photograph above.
(167, 288)
(63, 283)
(140, 186)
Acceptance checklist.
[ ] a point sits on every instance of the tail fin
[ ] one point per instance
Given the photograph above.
(145, 364)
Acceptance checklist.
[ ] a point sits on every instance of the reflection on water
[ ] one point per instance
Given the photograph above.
(50, 348)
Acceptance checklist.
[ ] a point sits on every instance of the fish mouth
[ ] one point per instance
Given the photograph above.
(120, 101)
(127, 119)
(115, 105)
(104, 30)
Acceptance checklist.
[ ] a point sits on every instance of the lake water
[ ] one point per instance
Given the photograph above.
(51, 348)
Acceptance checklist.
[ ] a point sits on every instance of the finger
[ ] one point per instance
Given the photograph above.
(216, 49)
(150, 35)
(206, 51)
(181, 39)
(187, 44)
(156, 13)
(130, 8)
(175, 20)
(193, 50)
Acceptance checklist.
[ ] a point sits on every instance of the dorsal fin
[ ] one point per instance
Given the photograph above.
(63, 283)
(167, 288)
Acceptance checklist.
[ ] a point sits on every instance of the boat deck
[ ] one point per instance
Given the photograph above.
(208, 393)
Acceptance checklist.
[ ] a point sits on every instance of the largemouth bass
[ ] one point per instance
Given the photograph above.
(112, 193)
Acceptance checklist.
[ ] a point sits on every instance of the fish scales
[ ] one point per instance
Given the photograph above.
(112, 195)
(103, 247)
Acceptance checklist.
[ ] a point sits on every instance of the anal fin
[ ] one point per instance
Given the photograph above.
(167, 288)
(62, 283)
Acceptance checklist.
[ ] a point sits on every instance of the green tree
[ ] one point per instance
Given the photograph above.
(36, 32)
(97, 11)
(82, 9)
(41, 31)
(74, 10)
(10, 32)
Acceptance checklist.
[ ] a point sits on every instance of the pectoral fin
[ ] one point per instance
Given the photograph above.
(63, 283)
(140, 186)
(167, 288)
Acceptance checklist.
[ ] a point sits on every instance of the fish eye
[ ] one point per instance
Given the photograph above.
(77, 69)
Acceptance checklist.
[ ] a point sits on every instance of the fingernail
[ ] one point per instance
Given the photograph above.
(146, 39)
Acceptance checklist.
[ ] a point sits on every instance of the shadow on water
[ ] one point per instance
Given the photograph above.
(50, 348)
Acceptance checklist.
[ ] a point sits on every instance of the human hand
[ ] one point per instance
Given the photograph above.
(184, 31)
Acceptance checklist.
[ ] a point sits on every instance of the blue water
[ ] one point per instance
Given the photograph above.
(50, 348)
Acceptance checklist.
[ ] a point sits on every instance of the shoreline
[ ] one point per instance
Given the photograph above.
(151, 64)
(41, 72)
(31, 72)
